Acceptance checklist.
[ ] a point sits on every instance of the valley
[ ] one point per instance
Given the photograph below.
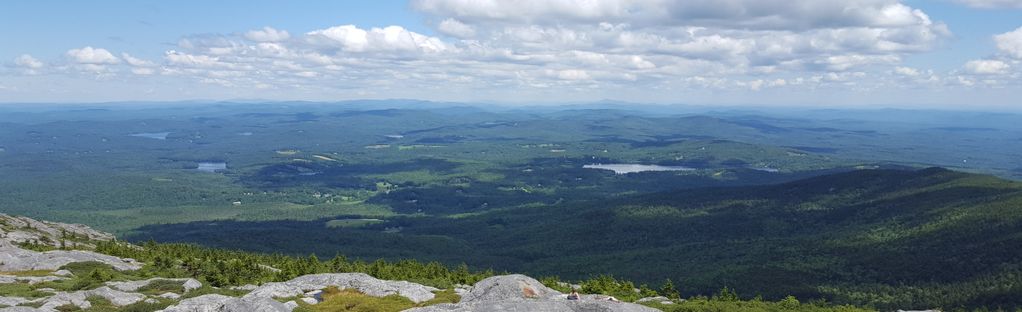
(820, 207)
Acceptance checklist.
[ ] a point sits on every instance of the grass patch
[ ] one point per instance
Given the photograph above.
(28, 273)
(443, 296)
(337, 300)
(207, 290)
(345, 300)
(23, 290)
(161, 286)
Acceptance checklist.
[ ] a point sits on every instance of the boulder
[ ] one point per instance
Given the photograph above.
(169, 295)
(63, 273)
(522, 293)
(509, 288)
(358, 281)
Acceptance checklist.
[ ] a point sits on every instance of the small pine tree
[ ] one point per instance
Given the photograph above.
(726, 294)
(669, 290)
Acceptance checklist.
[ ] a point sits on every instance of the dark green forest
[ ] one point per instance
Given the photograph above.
(879, 238)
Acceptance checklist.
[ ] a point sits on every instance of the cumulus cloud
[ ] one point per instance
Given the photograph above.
(454, 28)
(987, 67)
(752, 34)
(906, 71)
(991, 4)
(267, 34)
(594, 46)
(93, 56)
(350, 38)
(27, 61)
(1010, 43)
(733, 14)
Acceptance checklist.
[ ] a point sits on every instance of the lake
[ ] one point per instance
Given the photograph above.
(633, 168)
(212, 166)
(152, 135)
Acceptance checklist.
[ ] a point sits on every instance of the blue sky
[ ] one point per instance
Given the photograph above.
(912, 53)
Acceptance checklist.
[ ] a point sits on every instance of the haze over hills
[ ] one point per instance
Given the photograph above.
(821, 204)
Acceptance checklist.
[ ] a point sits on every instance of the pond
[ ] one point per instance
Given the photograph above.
(212, 166)
(633, 168)
(152, 135)
(766, 169)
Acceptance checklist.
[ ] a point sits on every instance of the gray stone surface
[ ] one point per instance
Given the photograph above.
(10, 279)
(78, 298)
(538, 305)
(21, 309)
(169, 295)
(17, 259)
(359, 281)
(221, 303)
(12, 301)
(658, 299)
(188, 283)
(509, 288)
(17, 230)
(254, 305)
(522, 293)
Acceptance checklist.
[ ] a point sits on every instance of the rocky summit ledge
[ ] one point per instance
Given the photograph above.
(522, 293)
(25, 269)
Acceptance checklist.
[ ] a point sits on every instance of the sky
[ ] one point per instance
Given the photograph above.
(948, 54)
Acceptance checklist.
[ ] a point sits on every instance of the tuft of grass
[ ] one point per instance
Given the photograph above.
(443, 296)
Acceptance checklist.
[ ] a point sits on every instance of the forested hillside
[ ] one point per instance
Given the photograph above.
(883, 238)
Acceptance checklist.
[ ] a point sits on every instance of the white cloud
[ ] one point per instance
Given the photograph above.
(556, 49)
(190, 60)
(571, 74)
(991, 4)
(27, 61)
(350, 38)
(987, 67)
(732, 14)
(267, 34)
(94, 56)
(906, 71)
(134, 61)
(1010, 43)
(454, 28)
(142, 71)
